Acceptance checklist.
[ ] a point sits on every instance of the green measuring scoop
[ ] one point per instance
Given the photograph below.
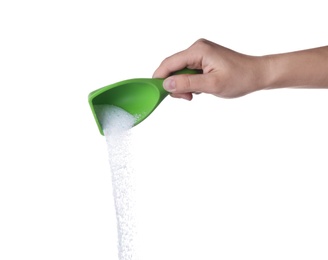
(139, 97)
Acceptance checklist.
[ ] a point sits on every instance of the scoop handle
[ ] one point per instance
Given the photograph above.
(187, 71)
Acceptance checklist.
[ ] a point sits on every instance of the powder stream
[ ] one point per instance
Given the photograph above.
(116, 124)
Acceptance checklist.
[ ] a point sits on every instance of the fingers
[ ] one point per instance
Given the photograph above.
(171, 64)
(178, 61)
(186, 96)
(183, 86)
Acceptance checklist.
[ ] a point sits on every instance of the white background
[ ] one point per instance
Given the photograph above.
(224, 179)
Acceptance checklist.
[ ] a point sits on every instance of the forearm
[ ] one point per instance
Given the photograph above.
(301, 69)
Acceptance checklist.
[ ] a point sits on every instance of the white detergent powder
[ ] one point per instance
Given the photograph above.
(116, 124)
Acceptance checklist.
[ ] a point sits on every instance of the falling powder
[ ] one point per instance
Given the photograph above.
(116, 124)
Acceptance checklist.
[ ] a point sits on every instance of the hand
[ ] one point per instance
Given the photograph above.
(226, 73)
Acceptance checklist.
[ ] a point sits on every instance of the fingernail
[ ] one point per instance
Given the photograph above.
(169, 85)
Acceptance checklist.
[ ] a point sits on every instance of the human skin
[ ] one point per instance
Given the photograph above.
(230, 74)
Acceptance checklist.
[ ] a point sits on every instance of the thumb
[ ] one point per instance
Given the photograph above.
(185, 83)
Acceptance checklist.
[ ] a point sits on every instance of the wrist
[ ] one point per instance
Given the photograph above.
(267, 72)
(262, 72)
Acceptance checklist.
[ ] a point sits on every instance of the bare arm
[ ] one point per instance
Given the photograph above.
(304, 69)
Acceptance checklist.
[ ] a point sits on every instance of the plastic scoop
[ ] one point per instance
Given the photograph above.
(139, 97)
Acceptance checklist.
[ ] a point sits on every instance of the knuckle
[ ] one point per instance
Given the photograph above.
(202, 45)
(201, 41)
